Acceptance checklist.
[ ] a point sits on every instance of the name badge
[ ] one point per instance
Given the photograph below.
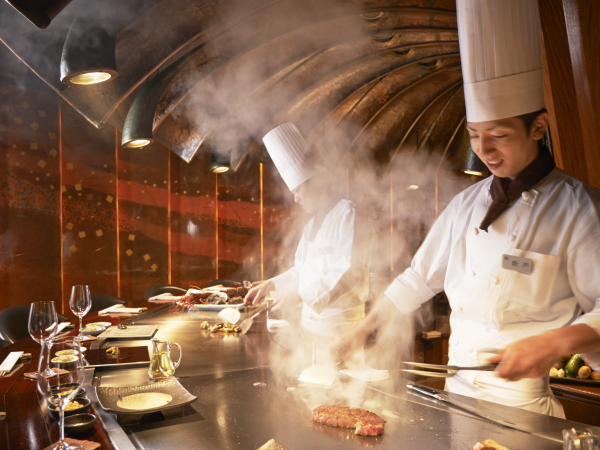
(518, 264)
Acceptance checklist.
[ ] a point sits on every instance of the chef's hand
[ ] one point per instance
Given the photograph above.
(258, 293)
(345, 347)
(287, 302)
(532, 357)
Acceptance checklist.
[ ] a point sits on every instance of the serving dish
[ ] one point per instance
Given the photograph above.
(127, 356)
(109, 396)
(85, 402)
(101, 324)
(79, 423)
(64, 359)
(93, 332)
(574, 381)
(132, 331)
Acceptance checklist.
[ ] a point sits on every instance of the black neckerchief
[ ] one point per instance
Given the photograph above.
(504, 190)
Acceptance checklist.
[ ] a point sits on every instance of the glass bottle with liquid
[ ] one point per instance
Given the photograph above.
(162, 366)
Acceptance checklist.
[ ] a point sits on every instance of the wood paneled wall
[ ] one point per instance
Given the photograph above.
(77, 208)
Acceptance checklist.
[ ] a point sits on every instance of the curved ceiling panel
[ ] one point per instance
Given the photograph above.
(372, 78)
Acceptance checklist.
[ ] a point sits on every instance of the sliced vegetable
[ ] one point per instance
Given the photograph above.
(595, 375)
(573, 366)
(561, 373)
(554, 372)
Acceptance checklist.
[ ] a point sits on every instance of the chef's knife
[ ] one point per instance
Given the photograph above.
(473, 410)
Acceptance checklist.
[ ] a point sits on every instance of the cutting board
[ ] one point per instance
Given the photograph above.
(132, 331)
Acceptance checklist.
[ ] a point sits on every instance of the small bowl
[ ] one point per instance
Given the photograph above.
(81, 394)
(86, 402)
(65, 359)
(92, 332)
(79, 423)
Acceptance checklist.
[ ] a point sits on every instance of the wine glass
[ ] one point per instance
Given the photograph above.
(42, 325)
(80, 303)
(61, 388)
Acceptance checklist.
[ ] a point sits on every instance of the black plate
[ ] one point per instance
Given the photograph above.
(574, 381)
(79, 423)
(85, 408)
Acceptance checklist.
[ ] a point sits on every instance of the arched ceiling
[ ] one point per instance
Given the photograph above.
(372, 78)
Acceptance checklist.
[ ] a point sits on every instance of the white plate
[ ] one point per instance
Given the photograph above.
(101, 324)
(93, 332)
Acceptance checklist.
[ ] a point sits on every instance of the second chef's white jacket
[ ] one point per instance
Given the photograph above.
(556, 224)
(333, 257)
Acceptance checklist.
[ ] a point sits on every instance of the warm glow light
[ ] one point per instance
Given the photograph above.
(473, 172)
(91, 78)
(136, 143)
(220, 169)
(412, 187)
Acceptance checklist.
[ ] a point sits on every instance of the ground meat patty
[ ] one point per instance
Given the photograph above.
(365, 422)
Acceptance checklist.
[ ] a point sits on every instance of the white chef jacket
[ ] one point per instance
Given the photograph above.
(557, 225)
(319, 266)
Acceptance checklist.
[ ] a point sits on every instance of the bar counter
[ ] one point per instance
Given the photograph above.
(245, 401)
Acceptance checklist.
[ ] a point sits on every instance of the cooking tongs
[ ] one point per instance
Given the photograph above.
(448, 371)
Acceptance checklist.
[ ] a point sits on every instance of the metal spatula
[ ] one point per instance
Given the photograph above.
(247, 323)
(231, 315)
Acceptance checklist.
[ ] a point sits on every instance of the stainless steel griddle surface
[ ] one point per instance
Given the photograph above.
(242, 403)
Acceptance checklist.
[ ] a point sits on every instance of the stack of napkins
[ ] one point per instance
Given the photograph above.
(365, 373)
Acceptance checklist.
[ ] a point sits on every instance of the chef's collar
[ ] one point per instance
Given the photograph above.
(504, 190)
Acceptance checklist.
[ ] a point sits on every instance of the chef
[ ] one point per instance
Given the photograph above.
(330, 276)
(518, 254)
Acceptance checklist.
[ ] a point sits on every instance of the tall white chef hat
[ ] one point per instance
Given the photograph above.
(501, 58)
(289, 151)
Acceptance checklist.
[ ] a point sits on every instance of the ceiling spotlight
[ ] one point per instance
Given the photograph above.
(473, 165)
(137, 129)
(39, 13)
(88, 55)
(412, 187)
(219, 163)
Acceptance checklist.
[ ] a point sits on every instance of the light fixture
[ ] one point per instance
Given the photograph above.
(39, 13)
(412, 187)
(137, 129)
(219, 163)
(473, 165)
(88, 55)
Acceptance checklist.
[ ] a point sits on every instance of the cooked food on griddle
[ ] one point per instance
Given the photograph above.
(365, 422)
(488, 444)
(233, 296)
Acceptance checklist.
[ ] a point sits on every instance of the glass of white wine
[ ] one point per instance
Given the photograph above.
(80, 304)
(42, 325)
(60, 389)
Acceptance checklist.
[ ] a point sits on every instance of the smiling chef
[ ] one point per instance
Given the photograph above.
(330, 276)
(518, 253)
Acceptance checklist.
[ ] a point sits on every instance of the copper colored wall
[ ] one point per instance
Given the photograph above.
(127, 219)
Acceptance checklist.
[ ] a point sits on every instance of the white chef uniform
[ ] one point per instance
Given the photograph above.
(556, 224)
(320, 265)
(332, 258)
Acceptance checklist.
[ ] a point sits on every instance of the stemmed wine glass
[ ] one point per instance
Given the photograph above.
(60, 389)
(42, 326)
(80, 303)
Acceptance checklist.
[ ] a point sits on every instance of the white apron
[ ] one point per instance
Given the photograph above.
(338, 317)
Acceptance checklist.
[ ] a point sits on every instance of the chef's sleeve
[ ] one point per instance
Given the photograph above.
(425, 277)
(342, 263)
(583, 266)
(288, 281)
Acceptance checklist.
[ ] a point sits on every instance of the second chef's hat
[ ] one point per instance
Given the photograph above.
(501, 58)
(290, 153)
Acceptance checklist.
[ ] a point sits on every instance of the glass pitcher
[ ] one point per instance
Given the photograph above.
(162, 366)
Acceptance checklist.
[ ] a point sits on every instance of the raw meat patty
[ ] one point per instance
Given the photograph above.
(366, 423)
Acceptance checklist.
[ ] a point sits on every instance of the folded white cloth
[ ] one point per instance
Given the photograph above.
(365, 373)
(274, 325)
